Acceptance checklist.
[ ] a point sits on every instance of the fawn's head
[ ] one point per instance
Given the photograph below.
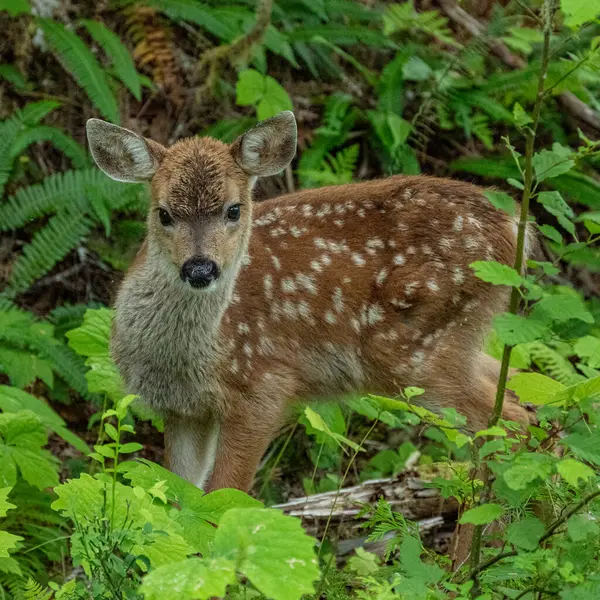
(201, 210)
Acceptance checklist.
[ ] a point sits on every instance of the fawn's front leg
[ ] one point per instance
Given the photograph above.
(244, 438)
(190, 447)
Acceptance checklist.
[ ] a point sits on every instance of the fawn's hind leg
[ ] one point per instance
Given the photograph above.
(455, 376)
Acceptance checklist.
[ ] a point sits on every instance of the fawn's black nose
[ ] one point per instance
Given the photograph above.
(199, 272)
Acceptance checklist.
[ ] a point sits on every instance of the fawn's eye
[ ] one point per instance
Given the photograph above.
(165, 218)
(234, 212)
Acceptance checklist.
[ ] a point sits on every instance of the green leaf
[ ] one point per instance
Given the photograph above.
(502, 201)
(250, 87)
(551, 233)
(561, 308)
(481, 515)
(191, 579)
(317, 422)
(579, 12)
(78, 59)
(262, 91)
(581, 527)
(514, 329)
(119, 55)
(15, 7)
(535, 387)
(419, 574)
(551, 163)
(92, 337)
(526, 468)
(585, 446)
(525, 533)
(8, 542)
(496, 273)
(364, 563)
(588, 347)
(13, 400)
(520, 116)
(269, 548)
(130, 447)
(491, 431)
(5, 505)
(572, 471)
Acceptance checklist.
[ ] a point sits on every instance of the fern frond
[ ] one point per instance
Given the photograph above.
(404, 17)
(152, 37)
(119, 55)
(66, 191)
(32, 590)
(31, 115)
(78, 60)
(551, 363)
(57, 138)
(20, 329)
(48, 246)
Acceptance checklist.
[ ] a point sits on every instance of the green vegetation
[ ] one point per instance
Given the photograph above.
(509, 98)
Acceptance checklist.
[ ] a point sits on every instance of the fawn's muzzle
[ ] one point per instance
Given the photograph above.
(199, 272)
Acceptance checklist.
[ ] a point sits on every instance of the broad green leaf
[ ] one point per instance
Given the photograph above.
(269, 548)
(250, 87)
(92, 337)
(275, 100)
(502, 201)
(319, 424)
(526, 468)
(560, 308)
(262, 91)
(520, 116)
(572, 471)
(535, 387)
(496, 273)
(13, 400)
(419, 575)
(15, 7)
(8, 542)
(551, 163)
(491, 431)
(585, 445)
(191, 579)
(551, 233)
(5, 505)
(588, 347)
(579, 12)
(525, 533)
(481, 515)
(514, 329)
(364, 563)
(580, 527)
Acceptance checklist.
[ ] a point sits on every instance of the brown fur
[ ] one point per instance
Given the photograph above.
(362, 288)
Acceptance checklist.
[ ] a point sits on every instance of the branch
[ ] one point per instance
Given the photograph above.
(576, 107)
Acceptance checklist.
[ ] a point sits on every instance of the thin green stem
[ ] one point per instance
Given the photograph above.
(548, 10)
(348, 467)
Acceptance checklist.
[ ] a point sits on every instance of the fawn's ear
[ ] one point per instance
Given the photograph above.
(123, 154)
(269, 147)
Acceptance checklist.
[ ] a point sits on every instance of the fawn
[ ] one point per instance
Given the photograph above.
(231, 311)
